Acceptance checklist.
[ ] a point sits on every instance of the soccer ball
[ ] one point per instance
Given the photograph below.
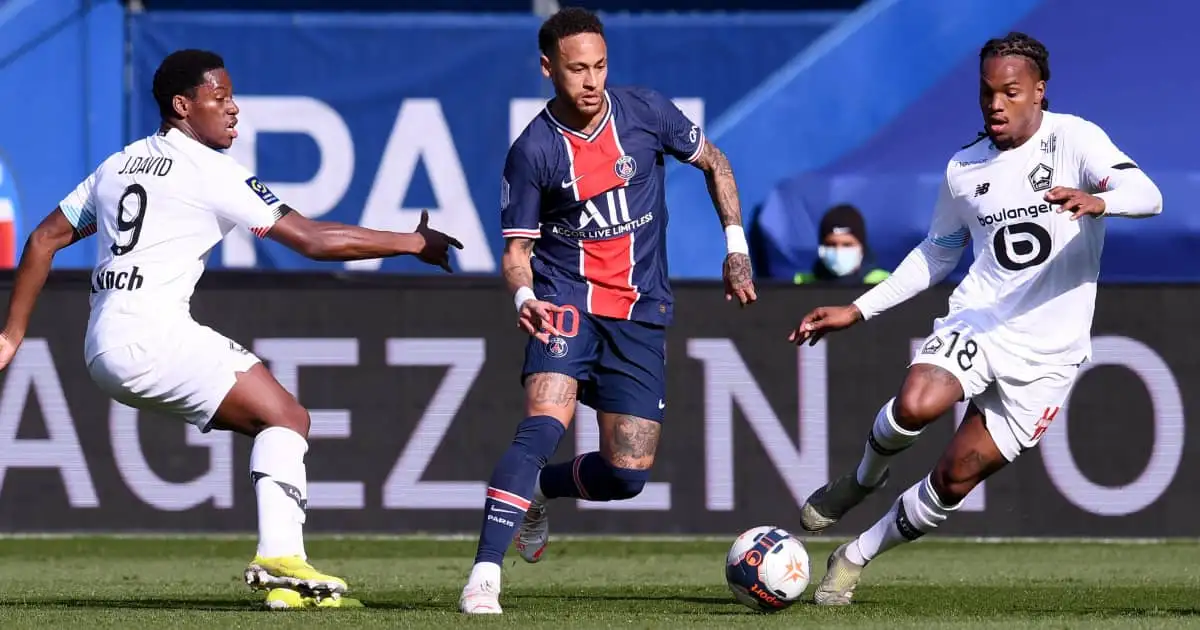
(767, 569)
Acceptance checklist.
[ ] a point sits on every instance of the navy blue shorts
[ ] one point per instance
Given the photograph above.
(620, 364)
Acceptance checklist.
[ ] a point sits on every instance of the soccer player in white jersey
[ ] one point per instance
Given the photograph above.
(158, 207)
(1033, 194)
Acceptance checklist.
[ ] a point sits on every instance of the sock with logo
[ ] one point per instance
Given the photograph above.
(886, 440)
(511, 486)
(917, 512)
(280, 483)
(591, 478)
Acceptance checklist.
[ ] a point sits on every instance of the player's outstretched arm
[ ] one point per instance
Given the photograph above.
(926, 265)
(54, 233)
(328, 240)
(722, 188)
(534, 316)
(1118, 186)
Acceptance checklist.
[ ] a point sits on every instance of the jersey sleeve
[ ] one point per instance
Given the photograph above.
(235, 194)
(927, 264)
(1099, 159)
(79, 206)
(520, 196)
(1113, 176)
(680, 137)
(946, 229)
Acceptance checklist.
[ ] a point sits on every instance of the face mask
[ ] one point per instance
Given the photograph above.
(840, 260)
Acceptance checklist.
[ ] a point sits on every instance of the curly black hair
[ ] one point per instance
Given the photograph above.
(181, 72)
(1020, 45)
(565, 23)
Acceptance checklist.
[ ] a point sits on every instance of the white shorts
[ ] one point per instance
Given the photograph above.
(186, 372)
(1019, 398)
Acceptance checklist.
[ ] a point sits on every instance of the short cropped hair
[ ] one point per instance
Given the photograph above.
(565, 23)
(181, 73)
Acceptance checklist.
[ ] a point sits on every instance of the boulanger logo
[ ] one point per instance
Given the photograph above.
(10, 208)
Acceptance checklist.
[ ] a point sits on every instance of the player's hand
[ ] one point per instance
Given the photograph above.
(8, 348)
(1077, 202)
(436, 250)
(537, 318)
(739, 279)
(824, 320)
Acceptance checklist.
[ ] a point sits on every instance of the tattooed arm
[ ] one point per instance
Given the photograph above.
(534, 316)
(718, 175)
(515, 263)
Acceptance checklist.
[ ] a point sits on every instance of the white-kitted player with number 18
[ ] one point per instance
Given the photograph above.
(159, 206)
(1032, 194)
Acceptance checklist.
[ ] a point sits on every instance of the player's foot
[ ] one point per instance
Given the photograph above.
(841, 577)
(292, 572)
(480, 598)
(829, 504)
(291, 599)
(534, 533)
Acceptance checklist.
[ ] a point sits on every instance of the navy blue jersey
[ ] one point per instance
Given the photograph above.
(596, 205)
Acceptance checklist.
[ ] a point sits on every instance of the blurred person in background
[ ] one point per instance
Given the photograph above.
(843, 255)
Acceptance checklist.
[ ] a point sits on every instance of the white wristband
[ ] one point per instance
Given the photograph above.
(735, 240)
(524, 294)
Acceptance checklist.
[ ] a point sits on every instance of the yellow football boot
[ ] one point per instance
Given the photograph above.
(291, 599)
(292, 572)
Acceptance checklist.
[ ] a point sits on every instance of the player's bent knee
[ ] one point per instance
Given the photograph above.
(628, 483)
(953, 478)
(914, 409)
(927, 394)
(293, 416)
(621, 483)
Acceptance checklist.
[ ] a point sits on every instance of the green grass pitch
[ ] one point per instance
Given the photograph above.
(134, 583)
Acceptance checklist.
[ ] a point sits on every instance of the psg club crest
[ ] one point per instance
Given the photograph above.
(557, 347)
(625, 167)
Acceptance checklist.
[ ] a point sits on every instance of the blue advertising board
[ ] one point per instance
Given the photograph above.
(367, 119)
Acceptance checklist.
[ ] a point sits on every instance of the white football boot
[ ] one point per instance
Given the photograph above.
(534, 532)
(841, 578)
(480, 598)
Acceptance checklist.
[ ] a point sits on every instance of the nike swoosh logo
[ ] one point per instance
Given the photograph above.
(570, 183)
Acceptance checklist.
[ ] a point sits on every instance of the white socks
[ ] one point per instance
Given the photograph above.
(281, 484)
(915, 513)
(885, 441)
(484, 572)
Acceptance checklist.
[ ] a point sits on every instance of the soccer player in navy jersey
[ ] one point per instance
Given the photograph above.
(584, 220)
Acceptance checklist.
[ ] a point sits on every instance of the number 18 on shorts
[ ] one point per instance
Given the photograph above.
(1018, 397)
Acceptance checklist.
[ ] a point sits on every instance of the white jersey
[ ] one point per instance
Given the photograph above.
(158, 207)
(1032, 285)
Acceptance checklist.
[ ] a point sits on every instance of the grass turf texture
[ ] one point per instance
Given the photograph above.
(135, 583)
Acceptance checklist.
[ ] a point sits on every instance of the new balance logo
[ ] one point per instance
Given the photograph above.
(982, 188)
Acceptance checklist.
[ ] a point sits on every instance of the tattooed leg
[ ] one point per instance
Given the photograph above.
(628, 441)
(618, 471)
(551, 394)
